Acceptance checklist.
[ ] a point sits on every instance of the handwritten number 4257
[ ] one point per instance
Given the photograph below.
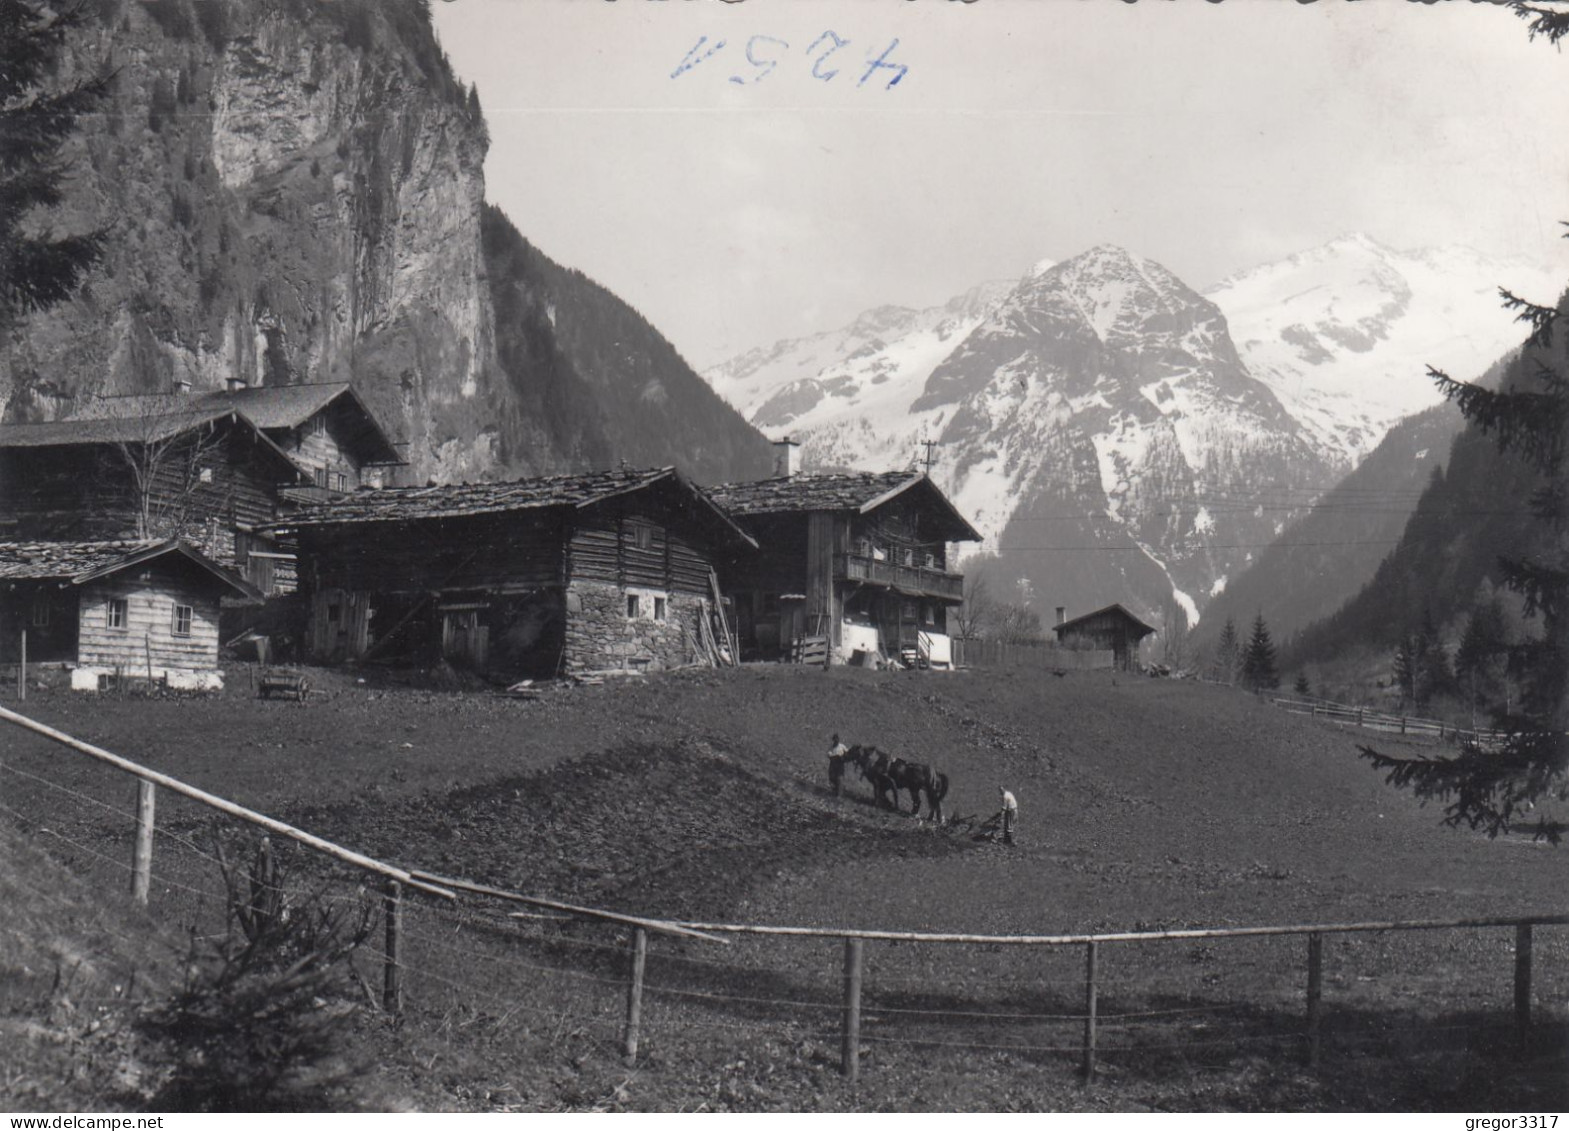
(765, 52)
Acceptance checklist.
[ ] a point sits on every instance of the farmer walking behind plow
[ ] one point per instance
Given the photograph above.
(1009, 814)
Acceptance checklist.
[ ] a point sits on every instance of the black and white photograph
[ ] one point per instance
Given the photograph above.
(784, 556)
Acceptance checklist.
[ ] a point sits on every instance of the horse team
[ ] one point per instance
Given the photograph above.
(891, 776)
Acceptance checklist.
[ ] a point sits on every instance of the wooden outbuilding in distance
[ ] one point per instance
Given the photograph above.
(1112, 628)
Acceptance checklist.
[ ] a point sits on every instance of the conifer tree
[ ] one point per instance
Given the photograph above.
(1528, 417)
(1405, 670)
(1227, 654)
(1490, 789)
(38, 267)
(1302, 686)
(1258, 660)
(1483, 642)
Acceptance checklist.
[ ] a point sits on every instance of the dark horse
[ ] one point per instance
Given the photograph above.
(918, 778)
(874, 765)
(891, 775)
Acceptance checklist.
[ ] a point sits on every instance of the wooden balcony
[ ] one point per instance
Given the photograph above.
(915, 580)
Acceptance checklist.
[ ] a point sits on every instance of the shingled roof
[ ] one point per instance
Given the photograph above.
(135, 429)
(1134, 622)
(457, 500)
(857, 491)
(80, 562)
(269, 407)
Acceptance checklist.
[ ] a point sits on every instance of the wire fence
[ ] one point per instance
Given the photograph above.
(506, 966)
(1048, 656)
(1367, 718)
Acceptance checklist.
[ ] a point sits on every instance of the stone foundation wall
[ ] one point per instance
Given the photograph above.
(600, 635)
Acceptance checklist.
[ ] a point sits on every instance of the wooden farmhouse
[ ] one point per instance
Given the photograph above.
(1111, 629)
(115, 610)
(210, 467)
(326, 429)
(536, 577)
(858, 559)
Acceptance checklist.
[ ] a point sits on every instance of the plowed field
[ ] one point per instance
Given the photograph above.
(1144, 804)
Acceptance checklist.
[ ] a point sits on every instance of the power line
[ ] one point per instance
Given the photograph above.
(1014, 548)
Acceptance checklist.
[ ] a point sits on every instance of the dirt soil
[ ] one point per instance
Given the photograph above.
(700, 795)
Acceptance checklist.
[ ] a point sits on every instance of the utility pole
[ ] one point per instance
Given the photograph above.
(931, 455)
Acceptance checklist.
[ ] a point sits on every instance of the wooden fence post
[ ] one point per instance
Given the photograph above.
(21, 671)
(1091, 1002)
(1522, 980)
(850, 1050)
(635, 997)
(142, 853)
(1315, 995)
(392, 973)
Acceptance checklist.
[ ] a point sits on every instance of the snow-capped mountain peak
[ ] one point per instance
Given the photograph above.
(1118, 436)
(1343, 333)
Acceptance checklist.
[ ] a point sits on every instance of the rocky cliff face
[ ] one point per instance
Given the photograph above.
(296, 194)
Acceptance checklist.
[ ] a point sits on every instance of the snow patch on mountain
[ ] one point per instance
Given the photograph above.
(1112, 433)
(1343, 333)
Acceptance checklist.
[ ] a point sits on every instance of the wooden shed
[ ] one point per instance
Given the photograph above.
(1112, 628)
(534, 577)
(860, 559)
(106, 610)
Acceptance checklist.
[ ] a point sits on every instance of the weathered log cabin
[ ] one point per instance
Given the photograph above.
(210, 467)
(1111, 629)
(325, 428)
(858, 559)
(535, 577)
(116, 610)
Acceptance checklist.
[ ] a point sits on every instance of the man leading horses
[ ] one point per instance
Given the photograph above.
(836, 756)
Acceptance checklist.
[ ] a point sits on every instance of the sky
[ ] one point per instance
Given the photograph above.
(746, 172)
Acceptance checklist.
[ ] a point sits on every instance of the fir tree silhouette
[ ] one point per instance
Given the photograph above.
(1258, 659)
(1529, 418)
(38, 267)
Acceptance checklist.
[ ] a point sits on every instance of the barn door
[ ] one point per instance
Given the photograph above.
(464, 640)
(357, 623)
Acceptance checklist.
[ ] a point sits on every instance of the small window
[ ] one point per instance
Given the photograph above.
(659, 608)
(182, 620)
(317, 425)
(321, 478)
(204, 475)
(341, 481)
(863, 547)
(334, 613)
(119, 612)
(642, 535)
(928, 615)
(634, 606)
(931, 561)
(40, 613)
(909, 557)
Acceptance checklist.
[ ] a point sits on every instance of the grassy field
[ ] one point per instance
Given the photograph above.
(1144, 804)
